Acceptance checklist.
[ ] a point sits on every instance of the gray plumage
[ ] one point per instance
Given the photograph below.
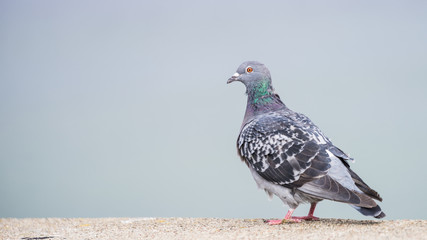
(289, 156)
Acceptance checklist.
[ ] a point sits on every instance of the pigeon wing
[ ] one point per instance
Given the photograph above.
(281, 151)
(292, 153)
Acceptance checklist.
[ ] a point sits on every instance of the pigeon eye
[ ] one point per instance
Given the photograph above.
(249, 69)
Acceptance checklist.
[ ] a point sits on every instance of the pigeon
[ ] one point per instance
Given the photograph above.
(289, 157)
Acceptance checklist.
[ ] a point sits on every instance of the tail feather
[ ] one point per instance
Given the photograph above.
(375, 212)
(327, 188)
(364, 187)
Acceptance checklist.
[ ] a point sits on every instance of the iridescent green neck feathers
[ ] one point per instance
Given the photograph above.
(261, 92)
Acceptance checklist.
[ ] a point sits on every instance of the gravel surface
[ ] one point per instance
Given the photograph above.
(206, 228)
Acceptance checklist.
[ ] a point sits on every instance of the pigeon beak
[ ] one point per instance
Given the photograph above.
(233, 78)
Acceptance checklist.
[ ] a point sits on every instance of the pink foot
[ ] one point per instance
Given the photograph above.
(289, 218)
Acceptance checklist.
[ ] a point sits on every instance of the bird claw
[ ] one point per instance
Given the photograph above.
(291, 220)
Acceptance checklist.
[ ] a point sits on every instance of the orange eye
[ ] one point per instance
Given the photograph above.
(249, 69)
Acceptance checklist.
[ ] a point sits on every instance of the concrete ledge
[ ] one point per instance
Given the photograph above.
(205, 228)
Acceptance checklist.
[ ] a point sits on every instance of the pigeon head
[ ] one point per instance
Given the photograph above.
(256, 77)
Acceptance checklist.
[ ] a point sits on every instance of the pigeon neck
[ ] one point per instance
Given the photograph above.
(260, 91)
(262, 99)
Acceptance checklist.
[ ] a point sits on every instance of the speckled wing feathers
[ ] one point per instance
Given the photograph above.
(287, 149)
(284, 148)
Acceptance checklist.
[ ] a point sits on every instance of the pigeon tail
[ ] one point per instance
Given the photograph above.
(375, 212)
(363, 186)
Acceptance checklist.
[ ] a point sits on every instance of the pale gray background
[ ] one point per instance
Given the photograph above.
(121, 108)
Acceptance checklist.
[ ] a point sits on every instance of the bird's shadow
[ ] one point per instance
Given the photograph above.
(35, 238)
(347, 221)
(335, 221)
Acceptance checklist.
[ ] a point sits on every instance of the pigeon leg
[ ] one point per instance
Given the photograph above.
(310, 216)
(288, 218)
